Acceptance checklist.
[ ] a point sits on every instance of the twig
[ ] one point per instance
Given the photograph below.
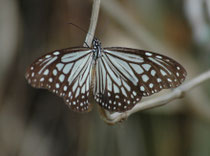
(158, 101)
(93, 22)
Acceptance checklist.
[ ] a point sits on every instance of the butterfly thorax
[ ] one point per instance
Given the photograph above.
(96, 49)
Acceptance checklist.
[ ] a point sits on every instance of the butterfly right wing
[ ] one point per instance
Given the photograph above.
(65, 72)
(124, 75)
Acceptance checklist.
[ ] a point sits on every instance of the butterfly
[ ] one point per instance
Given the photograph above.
(116, 78)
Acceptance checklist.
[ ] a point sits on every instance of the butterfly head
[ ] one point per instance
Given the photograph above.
(96, 48)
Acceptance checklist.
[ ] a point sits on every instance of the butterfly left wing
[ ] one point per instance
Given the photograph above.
(65, 72)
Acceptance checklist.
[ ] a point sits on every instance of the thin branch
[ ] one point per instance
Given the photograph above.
(93, 22)
(158, 101)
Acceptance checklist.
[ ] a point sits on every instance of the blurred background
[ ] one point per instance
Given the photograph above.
(34, 122)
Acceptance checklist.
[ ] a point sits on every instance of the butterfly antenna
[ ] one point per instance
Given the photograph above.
(84, 31)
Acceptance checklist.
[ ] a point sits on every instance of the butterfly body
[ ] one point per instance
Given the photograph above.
(97, 50)
(116, 78)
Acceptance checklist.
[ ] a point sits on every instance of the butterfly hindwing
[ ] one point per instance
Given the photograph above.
(114, 91)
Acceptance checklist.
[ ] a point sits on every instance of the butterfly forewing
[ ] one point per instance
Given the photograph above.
(66, 73)
(124, 75)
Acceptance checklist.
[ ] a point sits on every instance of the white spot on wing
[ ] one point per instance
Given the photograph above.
(145, 78)
(151, 85)
(50, 79)
(42, 79)
(47, 56)
(57, 85)
(67, 68)
(65, 88)
(169, 80)
(46, 72)
(142, 88)
(158, 56)
(177, 74)
(163, 72)
(146, 67)
(153, 72)
(61, 77)
(32, 74)
(148, 54)
(134, 93)
(56, 53)
(159, 80)
(59, 66)
(55, 72)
